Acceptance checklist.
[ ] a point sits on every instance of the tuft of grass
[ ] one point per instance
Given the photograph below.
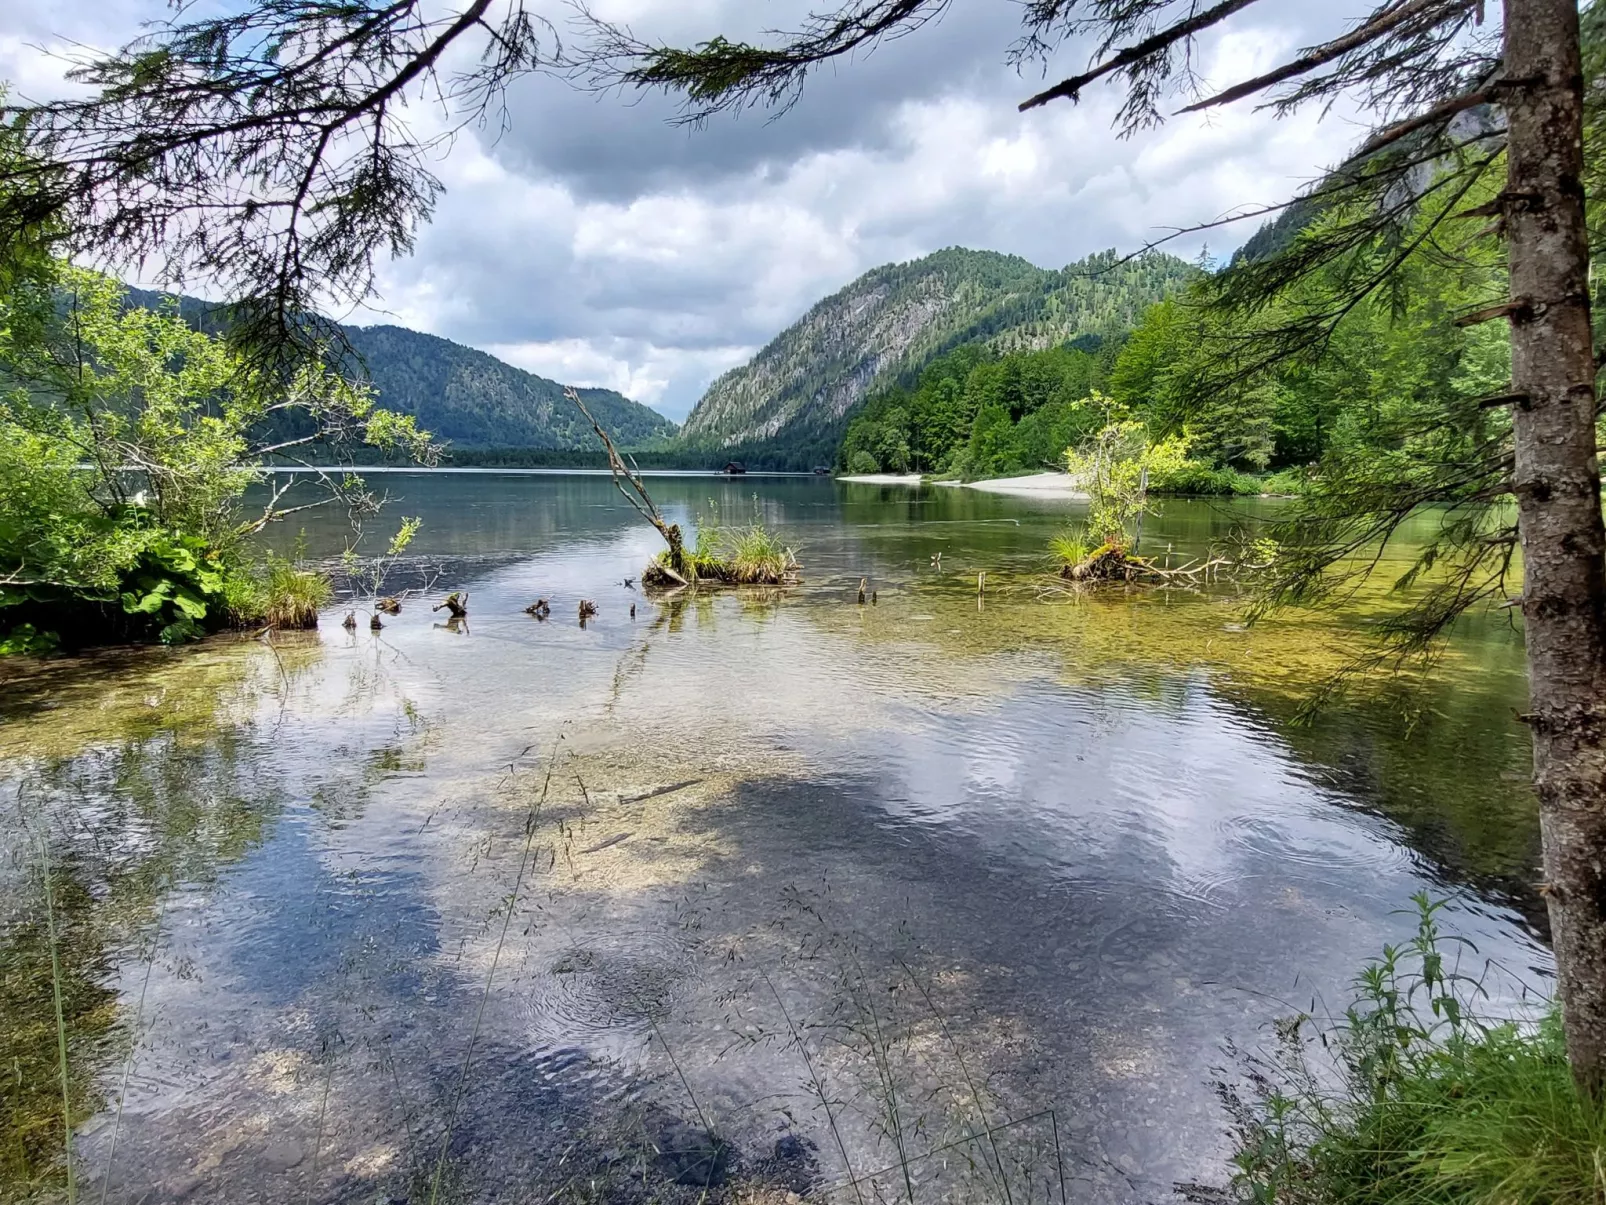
(280, 593)
(756, 557)
(738, 556)
(1069, 548)
(295, 595)
(1434, 1103)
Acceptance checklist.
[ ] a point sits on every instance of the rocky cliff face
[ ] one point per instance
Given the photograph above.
(797, 392)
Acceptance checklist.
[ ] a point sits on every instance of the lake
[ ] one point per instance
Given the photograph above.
(953, 895)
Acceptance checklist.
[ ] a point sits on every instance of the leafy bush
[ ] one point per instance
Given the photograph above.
(127, 440)
(148, 581)
(1196, 478)
(862, 461)
(1117, 467)
(1436, 1103)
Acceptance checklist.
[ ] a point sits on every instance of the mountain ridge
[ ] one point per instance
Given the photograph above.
(791, 402)
(466, 397)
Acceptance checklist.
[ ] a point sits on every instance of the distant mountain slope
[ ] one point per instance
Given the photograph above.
(469, 398)
(474, 400)
(793, 398)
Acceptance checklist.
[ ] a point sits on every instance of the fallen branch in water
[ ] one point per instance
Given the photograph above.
(675, 567)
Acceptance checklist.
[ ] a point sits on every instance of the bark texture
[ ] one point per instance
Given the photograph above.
(1557, 484)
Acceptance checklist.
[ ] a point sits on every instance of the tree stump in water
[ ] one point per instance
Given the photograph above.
(1107, 563)
(456, 602)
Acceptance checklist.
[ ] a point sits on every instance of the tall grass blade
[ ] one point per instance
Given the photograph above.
(61, 1022)
(490, 976)
(128, 1066)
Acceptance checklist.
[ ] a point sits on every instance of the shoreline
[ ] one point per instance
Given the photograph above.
(1031, 485)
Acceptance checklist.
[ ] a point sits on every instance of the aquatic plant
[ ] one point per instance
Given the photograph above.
(1437, 1099)
(1069, 548)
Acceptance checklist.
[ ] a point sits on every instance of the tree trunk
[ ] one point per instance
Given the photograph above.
(1557, 485)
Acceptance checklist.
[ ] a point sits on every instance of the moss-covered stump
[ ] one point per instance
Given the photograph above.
(1108, 563)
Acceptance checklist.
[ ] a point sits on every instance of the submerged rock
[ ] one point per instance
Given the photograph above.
(688, 1154)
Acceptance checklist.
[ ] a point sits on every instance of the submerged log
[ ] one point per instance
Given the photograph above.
(662, 576)
(1112, 563)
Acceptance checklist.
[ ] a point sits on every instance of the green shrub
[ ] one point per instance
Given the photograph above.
(92, 550)
(1436, 1103)
(1286, 481)
(138, 580)
(861, 461)
(1195, 477)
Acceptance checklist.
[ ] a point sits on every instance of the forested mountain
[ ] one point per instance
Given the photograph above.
(470, 399)
(1390, 389)
(473, 400)
(790, 404)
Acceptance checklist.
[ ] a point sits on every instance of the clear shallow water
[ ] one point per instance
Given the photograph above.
(773, 860)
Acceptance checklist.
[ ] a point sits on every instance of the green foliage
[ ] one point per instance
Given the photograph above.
(1196, 478)
(1437, 1102)
(127, 438)
(367, 577)
(1069, 548)
(279, 592)
(747, 555)
(978, 414)
(1114, 467)
(790, 405)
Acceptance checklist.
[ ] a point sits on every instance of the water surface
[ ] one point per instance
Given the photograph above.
(511, 910)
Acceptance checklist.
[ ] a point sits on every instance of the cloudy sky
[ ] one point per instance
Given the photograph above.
(597, 243)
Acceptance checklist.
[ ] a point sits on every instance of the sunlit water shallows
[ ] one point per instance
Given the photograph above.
(966, 893)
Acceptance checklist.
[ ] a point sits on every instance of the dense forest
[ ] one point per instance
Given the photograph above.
(469, 399)
(1362, 394)
(789, 406)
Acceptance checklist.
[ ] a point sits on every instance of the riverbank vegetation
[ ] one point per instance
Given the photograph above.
(750, 555)
(1421, 1091)
(128, 440)
(1188, 371)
